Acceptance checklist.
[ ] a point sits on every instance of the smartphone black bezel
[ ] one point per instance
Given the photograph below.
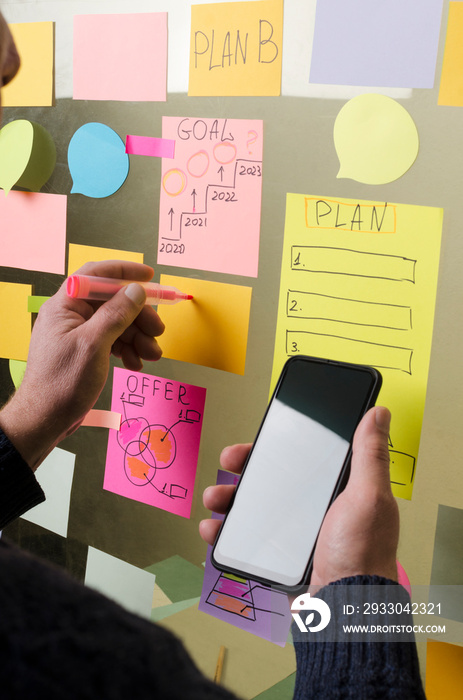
(343, 474)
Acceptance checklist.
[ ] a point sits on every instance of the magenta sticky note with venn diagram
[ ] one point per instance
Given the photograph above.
(153, 457)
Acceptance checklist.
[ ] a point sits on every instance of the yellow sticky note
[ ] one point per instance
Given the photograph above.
(81, 254)
(15, 320)
(33, 85)
(236, 48)
(451, 85)
(444, 670)
(358, 284)
(211, 330)
(376, 139)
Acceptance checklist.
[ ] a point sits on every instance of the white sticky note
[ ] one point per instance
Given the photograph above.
(55, 476)
(131, 587)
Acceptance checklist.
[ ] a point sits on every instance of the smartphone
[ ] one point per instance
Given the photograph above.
(297, 466)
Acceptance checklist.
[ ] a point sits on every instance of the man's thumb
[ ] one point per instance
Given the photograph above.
(115, 316)
(370, 458)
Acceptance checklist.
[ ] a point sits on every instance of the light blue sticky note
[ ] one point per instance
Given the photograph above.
(124, 583)
(55, 476)
(97, 161)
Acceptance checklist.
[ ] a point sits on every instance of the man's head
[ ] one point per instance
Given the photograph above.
(9, 57)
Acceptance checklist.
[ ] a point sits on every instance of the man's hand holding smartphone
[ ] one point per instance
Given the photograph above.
(360, 532)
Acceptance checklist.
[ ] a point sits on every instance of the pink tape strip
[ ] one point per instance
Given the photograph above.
(150, 146)
(102, 419)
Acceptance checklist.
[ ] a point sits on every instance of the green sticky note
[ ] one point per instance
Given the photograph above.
(164, 611)
(179, 579)
(34, 304)
(27, 155)
(280, 691)
(17, 369)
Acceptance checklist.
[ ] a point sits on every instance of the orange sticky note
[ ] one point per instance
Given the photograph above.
(236, 48)
(211, 330)
(81, 254)
(451, 85)
(444, 670)
(33, 84)
(15, 320)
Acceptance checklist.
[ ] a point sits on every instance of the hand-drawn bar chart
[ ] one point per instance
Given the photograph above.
(246, 604)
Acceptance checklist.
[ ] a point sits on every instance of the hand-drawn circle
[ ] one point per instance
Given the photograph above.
(195, 155)
(166, 432)
(168, 175)
(138, 481)
(225, 144)
(130, 431)
(142, 448)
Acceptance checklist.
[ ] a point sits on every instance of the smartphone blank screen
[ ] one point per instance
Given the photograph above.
(293, 470)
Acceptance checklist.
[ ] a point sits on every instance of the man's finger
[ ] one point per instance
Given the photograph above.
(217, 498)
(208, 530)
(233, 457)
(370, 458)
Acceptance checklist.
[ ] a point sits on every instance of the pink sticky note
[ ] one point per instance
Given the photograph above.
(102, 419)
(150, 146)
(153, 457)
(403, 578)
(209, 216)
(120, 57)
(33, 231)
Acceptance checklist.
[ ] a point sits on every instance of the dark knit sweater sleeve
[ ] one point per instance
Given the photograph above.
(60, 640)
(19, 489)
(357, 670)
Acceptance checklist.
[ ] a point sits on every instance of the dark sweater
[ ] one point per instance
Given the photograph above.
(59, 639)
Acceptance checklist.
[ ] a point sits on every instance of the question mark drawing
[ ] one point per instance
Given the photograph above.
(252, 138)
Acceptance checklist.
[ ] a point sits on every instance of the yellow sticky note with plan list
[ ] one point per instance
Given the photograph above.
(236, 48)
(15, 320)
(358, 284)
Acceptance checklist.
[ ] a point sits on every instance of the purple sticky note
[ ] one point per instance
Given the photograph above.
(392, 43)
(246, 604)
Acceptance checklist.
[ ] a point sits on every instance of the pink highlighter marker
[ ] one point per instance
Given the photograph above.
(103, 288)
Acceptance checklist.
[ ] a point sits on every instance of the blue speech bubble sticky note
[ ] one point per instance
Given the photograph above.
(97, 161)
